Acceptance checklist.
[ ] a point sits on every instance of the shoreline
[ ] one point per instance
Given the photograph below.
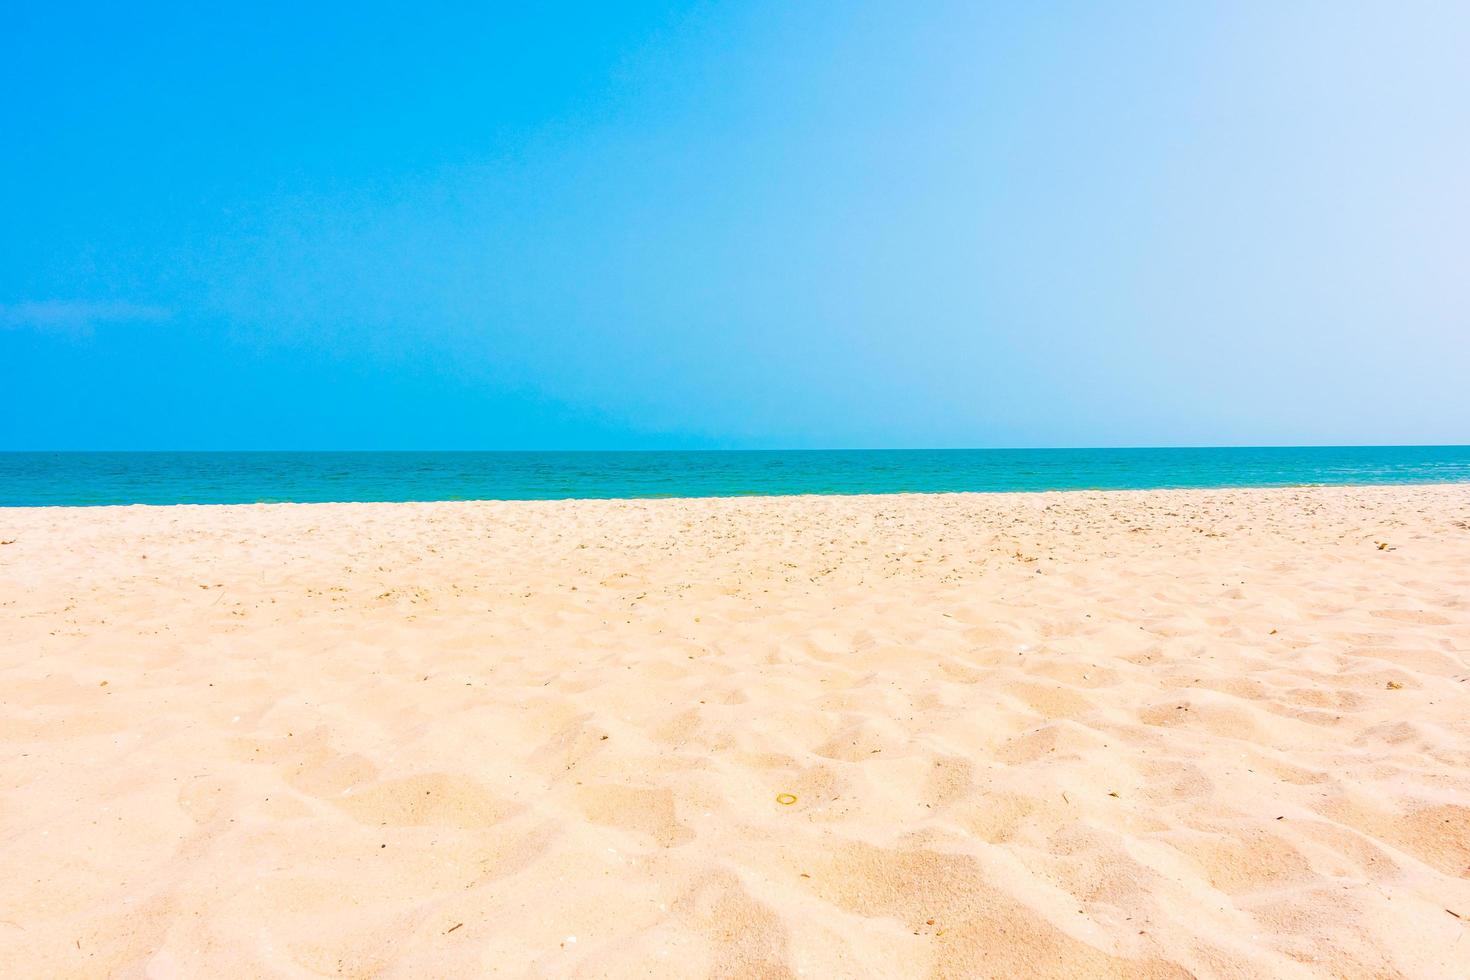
(244, 478)
(5, 508)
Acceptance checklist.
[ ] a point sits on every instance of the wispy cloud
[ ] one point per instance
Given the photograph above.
(76, 316)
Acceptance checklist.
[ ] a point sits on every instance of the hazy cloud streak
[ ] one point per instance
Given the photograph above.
(70, 316)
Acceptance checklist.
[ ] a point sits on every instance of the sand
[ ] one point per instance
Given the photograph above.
(1153, 734)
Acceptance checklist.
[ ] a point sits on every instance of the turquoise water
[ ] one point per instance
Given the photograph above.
(79, 479)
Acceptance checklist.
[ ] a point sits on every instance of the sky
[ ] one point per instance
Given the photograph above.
(733, 225)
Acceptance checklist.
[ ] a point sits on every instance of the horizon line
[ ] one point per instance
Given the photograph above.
(824, 449)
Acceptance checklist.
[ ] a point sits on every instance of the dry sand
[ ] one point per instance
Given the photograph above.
(1219, 733)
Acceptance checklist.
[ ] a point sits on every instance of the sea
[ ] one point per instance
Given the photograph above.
(81, 479)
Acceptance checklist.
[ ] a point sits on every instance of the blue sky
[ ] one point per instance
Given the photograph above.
(643, 225)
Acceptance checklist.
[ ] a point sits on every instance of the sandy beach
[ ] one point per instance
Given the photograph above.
(1142, 734)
